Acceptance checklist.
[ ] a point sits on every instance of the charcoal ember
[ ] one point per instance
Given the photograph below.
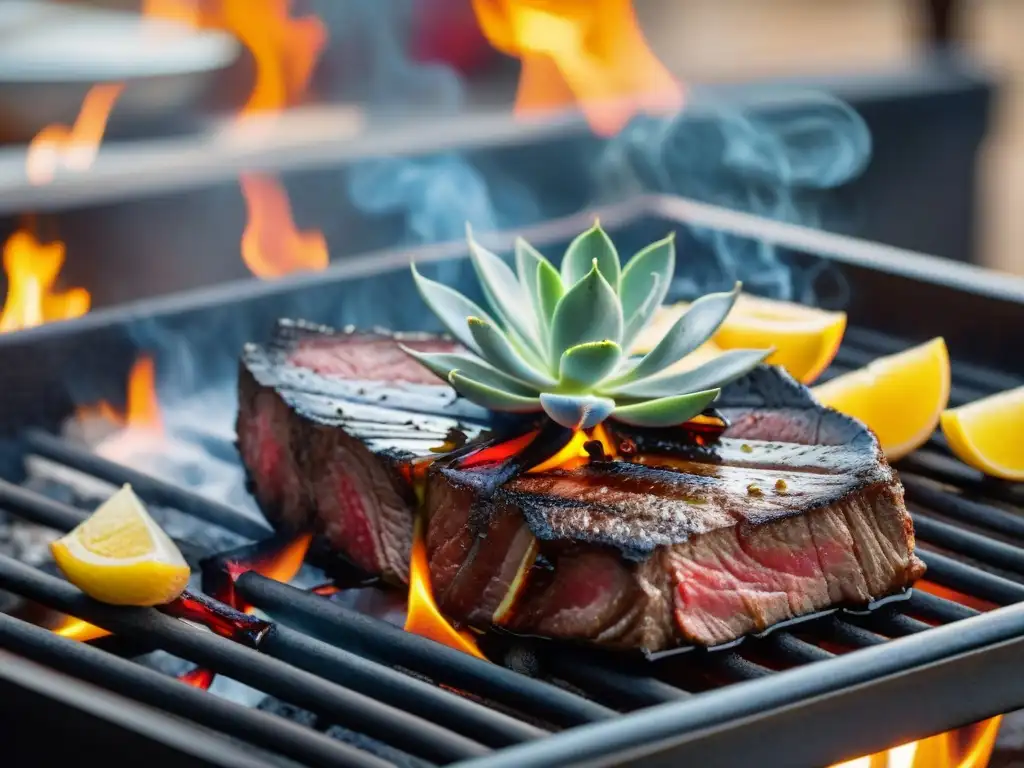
(304, 717)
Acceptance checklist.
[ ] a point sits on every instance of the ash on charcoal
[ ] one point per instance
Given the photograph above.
(222, 686)
(365, 743)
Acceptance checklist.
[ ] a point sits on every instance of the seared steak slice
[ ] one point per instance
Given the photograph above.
(687, 545)
(327, 424)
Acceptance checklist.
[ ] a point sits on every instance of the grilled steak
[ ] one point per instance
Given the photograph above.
(326, 422)
(685, 544)
(690, 546)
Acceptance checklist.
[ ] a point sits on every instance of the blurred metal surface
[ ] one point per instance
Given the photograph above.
(51, 54)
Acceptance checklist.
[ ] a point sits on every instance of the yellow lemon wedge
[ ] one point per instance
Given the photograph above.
(120, 555)
(805, 338)
(986, 434)
(900, 397)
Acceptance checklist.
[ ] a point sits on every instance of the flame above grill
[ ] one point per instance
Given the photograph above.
(423, 617)
(285, 50)
(74, 148)
(32, 270)
(590, 53)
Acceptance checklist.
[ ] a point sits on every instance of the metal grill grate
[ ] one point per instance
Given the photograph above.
(439, 706)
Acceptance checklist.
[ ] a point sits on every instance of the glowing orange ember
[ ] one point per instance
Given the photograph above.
(586, 52)
(271, 245)
(32, 269)
(76, 629)
(73, 148)
(199, 677)
(423, 618)
(281, 566)
(575, 453)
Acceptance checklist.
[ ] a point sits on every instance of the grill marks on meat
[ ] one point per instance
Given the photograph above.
(689, 547)
(326, 421)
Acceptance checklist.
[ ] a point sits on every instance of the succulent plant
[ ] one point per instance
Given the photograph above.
(557, 341)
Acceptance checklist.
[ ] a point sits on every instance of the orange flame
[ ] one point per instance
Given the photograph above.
(575, 453)
(76, 629)
(198, 677)
(142, 407)
(422, 617)
(969, 747)
(271, 245)
(32, 269)
(586, 52)
(74, 148)
(281, 566)
(285, 49)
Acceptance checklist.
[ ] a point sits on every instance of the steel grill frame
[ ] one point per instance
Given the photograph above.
(781, 694)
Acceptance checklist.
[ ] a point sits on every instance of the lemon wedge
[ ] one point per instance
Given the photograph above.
(120, 555)
(986, 434)
(900, 397)
(805, 339)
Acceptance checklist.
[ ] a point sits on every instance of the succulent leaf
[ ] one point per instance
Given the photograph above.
(500, 353)
(492, 397)
(450, 306)
(589, 311)
(528, 263)
(644, 313)
(550, 290)
(586, 365)
(504, 293)
(592, 244)
(556, 340)
(576, 411)
(443, 363)
(691, 330)
(635, 287)
(665, 411)
(722, 370)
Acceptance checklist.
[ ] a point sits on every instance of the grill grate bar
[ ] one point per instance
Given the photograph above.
(946, 469)
(632, 691)
(951, 573)
(348, 669)
(939, 609)
(968, 543)
(853, 635)
(895, 624)
(389, 686)
(156, 689)
(928, 494)
(794, 649)
(352, 710)
(376, 639)
(736, 667)
(39, 509)
(151, 489)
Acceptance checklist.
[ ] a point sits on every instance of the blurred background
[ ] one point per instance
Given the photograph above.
(155, 146)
